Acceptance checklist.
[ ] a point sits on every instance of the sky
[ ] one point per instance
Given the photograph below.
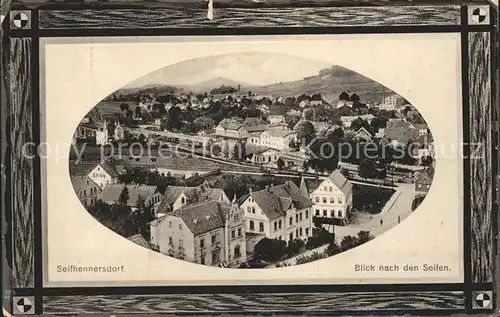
(251, 68)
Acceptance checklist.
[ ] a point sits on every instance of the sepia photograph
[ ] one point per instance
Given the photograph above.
(252, 160)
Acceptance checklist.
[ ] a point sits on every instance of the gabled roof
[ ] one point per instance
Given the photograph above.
(426, 176)
(79, 182)
(279, 133)
(303, 187)
(203, 217)
(193, 195)
(84, 168)
(255, 128)
(140, 240)
(109, 168)
(342, 183)
(276, 200)
(363, 130)
(111, 193)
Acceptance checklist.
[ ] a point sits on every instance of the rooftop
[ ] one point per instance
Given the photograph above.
(111, 193)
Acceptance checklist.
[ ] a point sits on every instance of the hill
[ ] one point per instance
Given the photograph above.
(328, 82)
(208, 85)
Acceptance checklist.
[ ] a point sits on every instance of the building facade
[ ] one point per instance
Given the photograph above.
(333, 198)
(86, 190)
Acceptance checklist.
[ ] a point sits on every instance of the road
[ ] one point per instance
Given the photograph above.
(390, 215)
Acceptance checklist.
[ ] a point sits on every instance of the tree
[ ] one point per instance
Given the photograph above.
(124, 197)
(363, 237)
(111, 128)
(366, 169)
(280, 163)
(354, 98)
(377, 124)
(359, 123)
(348, 242)
(270, 249)
(124, 107)
(203, 123)
(345, 172)
(173, 121)
(339, 132)
(294, 247)
(333, 248)
(427, 160)
(216, 149)
(344, 96)
(306, 132)
(137, 112)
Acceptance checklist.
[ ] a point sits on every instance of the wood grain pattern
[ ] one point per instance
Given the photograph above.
(481, 157)
(19, 167)
(290, 302)
(249, 17)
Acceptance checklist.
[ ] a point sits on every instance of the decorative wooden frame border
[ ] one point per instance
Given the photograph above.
(20, 124)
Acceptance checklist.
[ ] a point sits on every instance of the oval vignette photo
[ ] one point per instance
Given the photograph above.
(252, 160)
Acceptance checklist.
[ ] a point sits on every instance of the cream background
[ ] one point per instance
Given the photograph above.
(78, 73)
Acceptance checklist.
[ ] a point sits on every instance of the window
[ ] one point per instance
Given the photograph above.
(330, 188)
(307, 232)
(261, 226)
(252, 225)
(181, 243)
(202, 259)
(297, 233)
(237, 252)
(316, 199)
(340, 213)
(317, 212)
(279, 224)
(249, 210)
(170, 224)
(324, 188)
(202, 243)
(332, 213)
(300, 232)
(291, 221)
(297, 218)
(253, 210)
(233, 234)
(180, 226)
(291, 236)
(332, 200)
(214, 239)
(307, 214)
(339, 200)
(275, 225)
(300, 216)
(170, 241)
(239, 232)
(84, 192)
(324, 200)
(325, 213)
(183, 200)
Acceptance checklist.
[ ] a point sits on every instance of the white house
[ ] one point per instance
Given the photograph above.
(278, 139)
(103, 174)
(176, 197)
(232, 130)
(347, 120)
(278, 212)
(333, 198)
(276, 119)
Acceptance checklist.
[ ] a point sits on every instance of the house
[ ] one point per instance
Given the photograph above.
(278, 139)
(265, 156)
(319, 126)
(206, 133)
(175, 197)
(96, 132)
(277, 212)
(424, 180)
(422, 129)
(276, 119)
(333, 199)
(208, 232)
(347, 120)
(399, 132)
(140, 240)
(253, 121)
(314, 103)
(363, 135)
(111, 194)
(393, 101)
(304, 103)
(86, 190)
(100, 173)
(231, 130)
